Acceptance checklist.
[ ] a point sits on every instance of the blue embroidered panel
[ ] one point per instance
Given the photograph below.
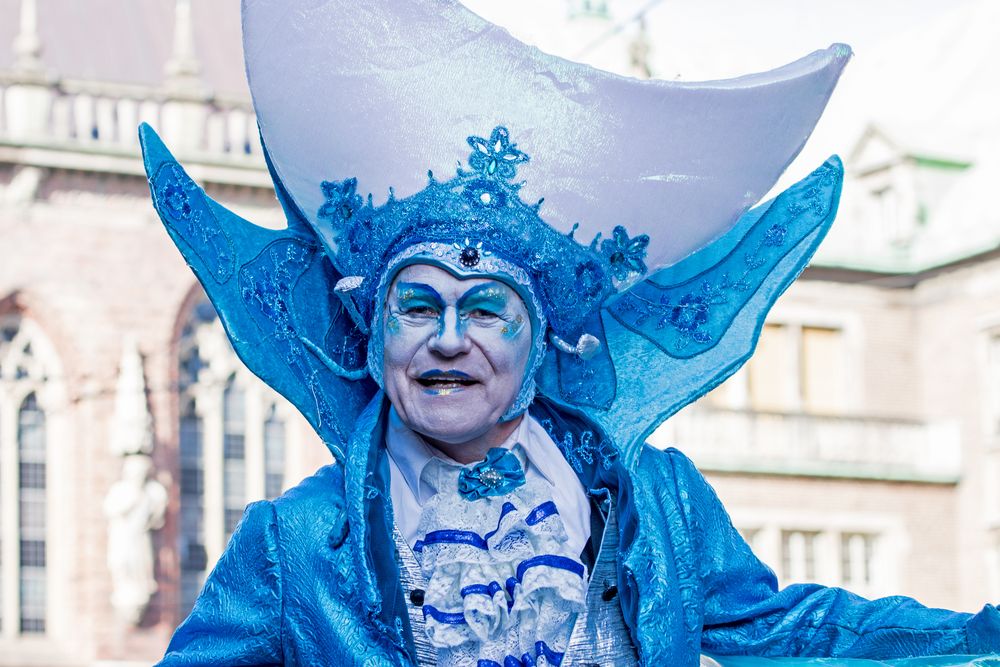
(686, 318)
(680, 332)
(281, 313)
(583, 449)
(177, 201)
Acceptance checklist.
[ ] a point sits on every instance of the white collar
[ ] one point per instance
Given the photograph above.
(411, 453)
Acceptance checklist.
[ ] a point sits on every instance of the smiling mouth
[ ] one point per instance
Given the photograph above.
(445, 383)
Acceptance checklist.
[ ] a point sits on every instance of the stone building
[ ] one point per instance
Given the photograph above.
(861, 446)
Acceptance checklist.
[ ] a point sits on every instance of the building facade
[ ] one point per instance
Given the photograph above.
(861, 446)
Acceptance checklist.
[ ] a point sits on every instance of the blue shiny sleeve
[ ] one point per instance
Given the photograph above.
(237, 618)
(746, 614)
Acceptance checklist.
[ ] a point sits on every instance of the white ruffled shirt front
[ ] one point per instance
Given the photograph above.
(409, 455)
(504, 577)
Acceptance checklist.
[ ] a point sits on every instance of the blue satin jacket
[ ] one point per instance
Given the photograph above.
(310, 578)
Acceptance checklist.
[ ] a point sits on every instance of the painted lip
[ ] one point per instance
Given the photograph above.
(436, 373)
(444, 383)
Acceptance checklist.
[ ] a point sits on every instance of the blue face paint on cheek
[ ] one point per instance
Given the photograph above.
(511, 329)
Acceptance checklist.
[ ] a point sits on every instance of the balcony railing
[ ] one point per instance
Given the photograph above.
(104, 117)
(802, 444)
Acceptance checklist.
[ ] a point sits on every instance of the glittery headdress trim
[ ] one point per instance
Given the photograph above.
(475, 222)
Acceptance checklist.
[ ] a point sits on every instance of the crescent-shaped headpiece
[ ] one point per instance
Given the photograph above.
(385, 90)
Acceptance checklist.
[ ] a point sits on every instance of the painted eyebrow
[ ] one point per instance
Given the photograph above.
(424, 291)
(476, 293)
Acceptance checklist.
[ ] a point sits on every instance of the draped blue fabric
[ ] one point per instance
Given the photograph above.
(309, 579)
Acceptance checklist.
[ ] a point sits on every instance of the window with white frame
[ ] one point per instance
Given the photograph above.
(798, 555)
(857, 554)
(886, 207)
(231, 447)
(274, 453)
(992, 392)
(26, 366)
(798, 367)
(858, 560)
(771, 373)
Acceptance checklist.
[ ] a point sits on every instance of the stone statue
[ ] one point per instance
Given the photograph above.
(132, 425)
(135, 506)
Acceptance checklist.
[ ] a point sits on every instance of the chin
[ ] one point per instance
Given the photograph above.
(452, 433)
(457, 422)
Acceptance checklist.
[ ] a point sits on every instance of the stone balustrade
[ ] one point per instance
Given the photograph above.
(747, 441)
(103, 117)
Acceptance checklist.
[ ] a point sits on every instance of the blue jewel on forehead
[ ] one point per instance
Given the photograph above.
(471, 254)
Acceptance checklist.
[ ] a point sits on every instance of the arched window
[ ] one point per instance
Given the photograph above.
(274, 454)
(234, 466)
(31, 513)
(26, 368)
(192, 518)
(232, 445)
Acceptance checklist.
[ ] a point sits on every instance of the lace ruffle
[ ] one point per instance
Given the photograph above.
(501, 582)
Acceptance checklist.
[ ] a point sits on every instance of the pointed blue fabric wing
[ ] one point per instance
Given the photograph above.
(274, 292)
(674, 336)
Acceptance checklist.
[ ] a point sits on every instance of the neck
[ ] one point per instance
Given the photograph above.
(474, 450)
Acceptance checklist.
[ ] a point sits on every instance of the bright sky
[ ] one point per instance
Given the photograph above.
(706, 39)
(713, 39)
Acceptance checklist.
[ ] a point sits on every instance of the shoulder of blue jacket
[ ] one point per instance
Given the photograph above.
(657, 462)
(314, 504)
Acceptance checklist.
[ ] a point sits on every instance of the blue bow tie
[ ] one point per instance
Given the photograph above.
(497, 475)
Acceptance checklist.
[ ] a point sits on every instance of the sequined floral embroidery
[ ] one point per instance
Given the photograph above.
(625, 255)
(342, 199)
(182, 205)
(775, 236)
(496, 156)
(175, 199)
(587, 449)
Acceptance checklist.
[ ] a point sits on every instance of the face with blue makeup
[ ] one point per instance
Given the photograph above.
(455, 354)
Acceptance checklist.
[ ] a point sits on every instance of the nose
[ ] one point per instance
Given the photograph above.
(450, 339)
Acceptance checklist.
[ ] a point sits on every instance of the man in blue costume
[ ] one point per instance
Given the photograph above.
(484, 380)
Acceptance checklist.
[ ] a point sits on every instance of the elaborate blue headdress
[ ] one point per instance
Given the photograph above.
(474, 224)
(643, 268)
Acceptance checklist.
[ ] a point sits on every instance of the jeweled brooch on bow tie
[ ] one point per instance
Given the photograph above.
(497, 475)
